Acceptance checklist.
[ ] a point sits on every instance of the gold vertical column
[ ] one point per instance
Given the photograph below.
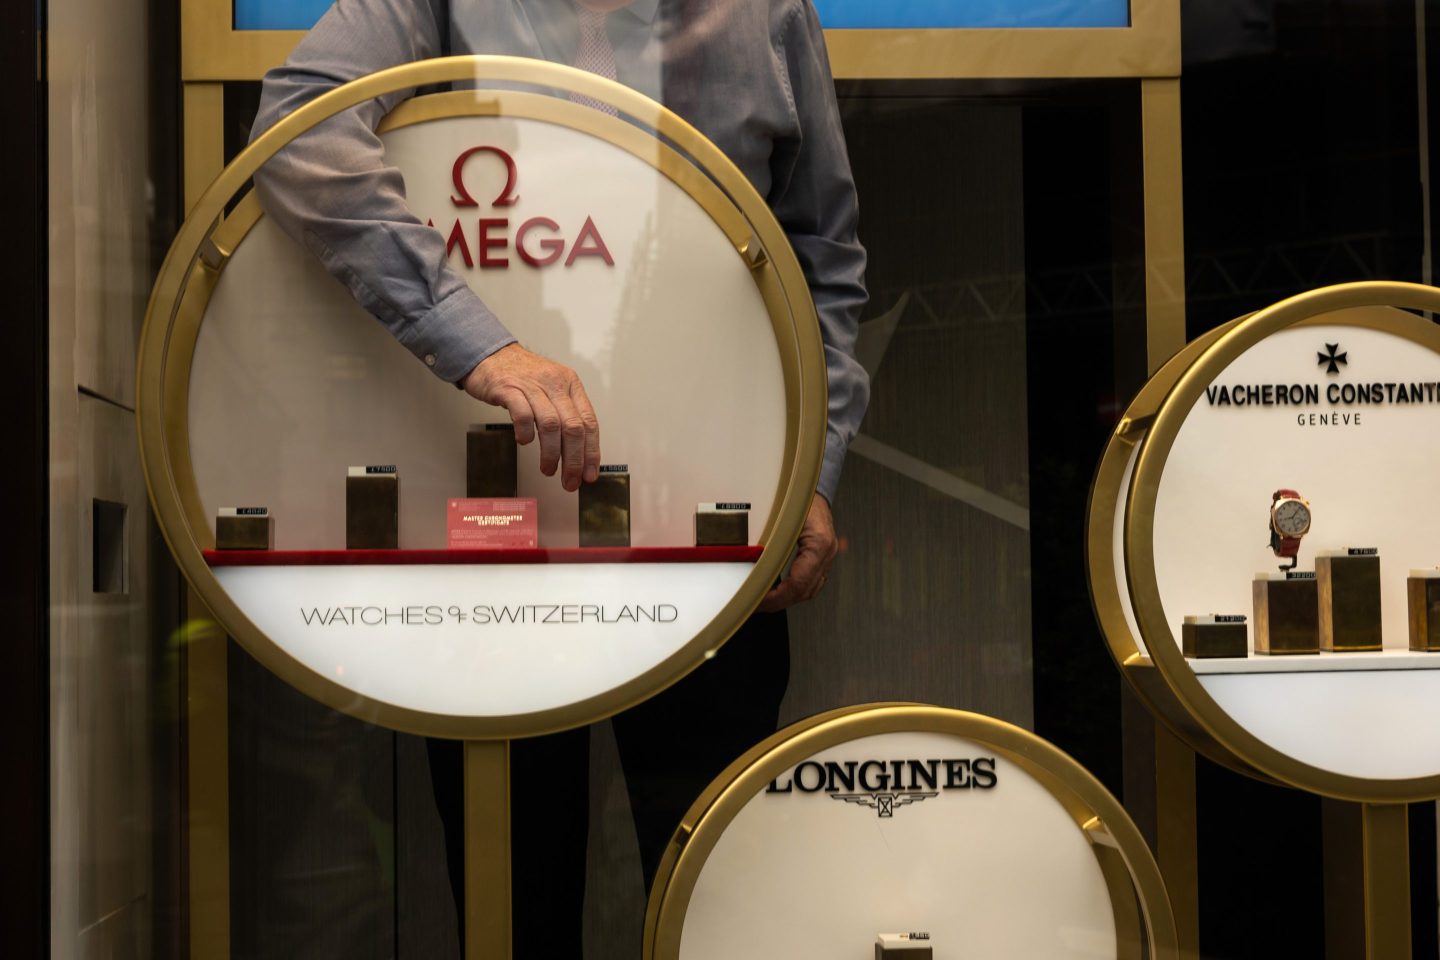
(204, 138)
(1176, 846)
(487, 850)
(1164, 219)
(207, 706)
(1160, 796)
(1367, 880)
(1385, 829)
(207, 762)
(1175, 822)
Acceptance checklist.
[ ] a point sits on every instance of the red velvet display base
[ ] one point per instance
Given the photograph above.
(337, 558)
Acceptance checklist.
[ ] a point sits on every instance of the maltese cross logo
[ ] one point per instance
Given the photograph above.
(1333, 358)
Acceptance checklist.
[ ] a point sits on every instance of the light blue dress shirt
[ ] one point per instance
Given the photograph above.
(752, 75)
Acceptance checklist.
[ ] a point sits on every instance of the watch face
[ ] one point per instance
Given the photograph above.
(1292, 518)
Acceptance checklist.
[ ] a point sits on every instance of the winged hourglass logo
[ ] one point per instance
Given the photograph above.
(885, 803)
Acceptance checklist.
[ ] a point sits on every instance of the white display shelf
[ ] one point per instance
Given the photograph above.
(483, 633)
(1317, 663)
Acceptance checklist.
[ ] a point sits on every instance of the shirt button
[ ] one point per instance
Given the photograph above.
(429, 359)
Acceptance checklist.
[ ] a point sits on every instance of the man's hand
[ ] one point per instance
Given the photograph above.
(544, 398)
(813, 555)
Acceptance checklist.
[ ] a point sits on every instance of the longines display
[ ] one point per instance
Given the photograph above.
(988, 839)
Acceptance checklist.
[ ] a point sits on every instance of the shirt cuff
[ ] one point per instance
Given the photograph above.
(835, 447)
(455, 336)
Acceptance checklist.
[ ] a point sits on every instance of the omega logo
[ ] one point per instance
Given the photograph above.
(538, 241)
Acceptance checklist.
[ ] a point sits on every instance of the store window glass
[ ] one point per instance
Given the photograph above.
(930, 600)
(974, 237)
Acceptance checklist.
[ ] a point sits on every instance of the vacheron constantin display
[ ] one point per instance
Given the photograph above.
(1289, 521)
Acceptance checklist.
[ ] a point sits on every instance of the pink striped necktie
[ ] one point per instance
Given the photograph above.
(595, 54)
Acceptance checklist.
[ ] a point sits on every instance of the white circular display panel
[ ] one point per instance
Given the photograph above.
(888, 819)
(492, 640)
(1368, 471)
(292, 381)
(988, 872)
(675, 348)
(659, 275)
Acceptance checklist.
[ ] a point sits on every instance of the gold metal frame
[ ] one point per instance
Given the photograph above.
(213, 50)
(205, 242)
(1125, 860)
(1105, 589)
(1149, 47)
(1153, 421)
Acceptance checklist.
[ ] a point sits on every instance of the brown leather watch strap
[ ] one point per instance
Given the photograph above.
(1282, 545)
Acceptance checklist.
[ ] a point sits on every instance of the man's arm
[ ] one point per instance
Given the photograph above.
(332, 190)
(813, 196)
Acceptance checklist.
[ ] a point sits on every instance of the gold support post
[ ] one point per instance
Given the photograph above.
(1386, 830)
(1175, 826)
(487, 850)
(1367, 880)
(1164, 219)
(207, 706)
(204, 150)
(1176, 846)
(207, 736)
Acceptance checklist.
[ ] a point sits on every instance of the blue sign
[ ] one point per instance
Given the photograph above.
(836, 14)
(279, 14)
(954, 14)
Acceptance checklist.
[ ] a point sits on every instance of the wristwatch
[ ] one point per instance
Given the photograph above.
(1289, 521)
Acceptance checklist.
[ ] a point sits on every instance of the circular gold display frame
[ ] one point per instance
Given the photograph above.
(1130, 871)
(208, 237)
(1161, 675)
(1105, 589)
